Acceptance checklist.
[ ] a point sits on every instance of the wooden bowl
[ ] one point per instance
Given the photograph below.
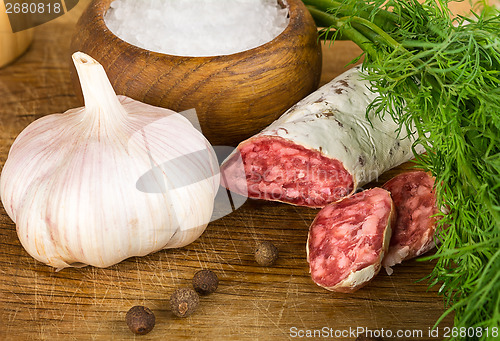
(235, 96)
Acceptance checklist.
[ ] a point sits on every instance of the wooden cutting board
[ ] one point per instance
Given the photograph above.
(252, 302)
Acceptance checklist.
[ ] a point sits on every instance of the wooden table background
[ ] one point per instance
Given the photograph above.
(252, 302)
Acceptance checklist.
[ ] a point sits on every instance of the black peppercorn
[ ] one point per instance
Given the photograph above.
(205, 282)
(140, 320)
(184, 302)
(266, 253)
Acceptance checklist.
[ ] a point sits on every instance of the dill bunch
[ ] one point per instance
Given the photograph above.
(441, 75)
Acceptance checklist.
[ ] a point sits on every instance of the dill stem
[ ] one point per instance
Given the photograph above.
(382, 17)
(387, 39)
(350, 33)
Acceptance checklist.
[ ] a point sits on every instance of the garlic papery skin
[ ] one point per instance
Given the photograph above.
(114, 179)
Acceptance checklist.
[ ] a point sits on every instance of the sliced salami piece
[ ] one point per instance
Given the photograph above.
(415, 202)
(348, 240)
(321, 149)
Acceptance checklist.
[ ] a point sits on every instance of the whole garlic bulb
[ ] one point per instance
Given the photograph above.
(114, 179)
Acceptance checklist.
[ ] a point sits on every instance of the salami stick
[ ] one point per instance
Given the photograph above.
(321, 149)
(415, 202)
(348, 240)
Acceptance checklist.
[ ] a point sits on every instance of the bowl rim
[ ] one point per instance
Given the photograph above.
(100, 7)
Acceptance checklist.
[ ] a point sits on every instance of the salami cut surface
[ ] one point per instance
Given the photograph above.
(321, 149)
(415, 203)
(348, 240)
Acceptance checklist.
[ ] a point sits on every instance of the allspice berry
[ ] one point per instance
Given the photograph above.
(140, 320)
(184, 301)
(205, 282)
(266, 253)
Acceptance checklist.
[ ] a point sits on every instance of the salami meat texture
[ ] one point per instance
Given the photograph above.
(415, 202)
(321, 149)
(348, 240)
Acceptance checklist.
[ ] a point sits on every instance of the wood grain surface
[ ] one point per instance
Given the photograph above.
(251, 303)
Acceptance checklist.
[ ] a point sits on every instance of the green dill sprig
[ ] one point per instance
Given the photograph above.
(440, 75)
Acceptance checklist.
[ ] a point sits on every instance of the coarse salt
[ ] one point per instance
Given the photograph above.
(196, 27)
